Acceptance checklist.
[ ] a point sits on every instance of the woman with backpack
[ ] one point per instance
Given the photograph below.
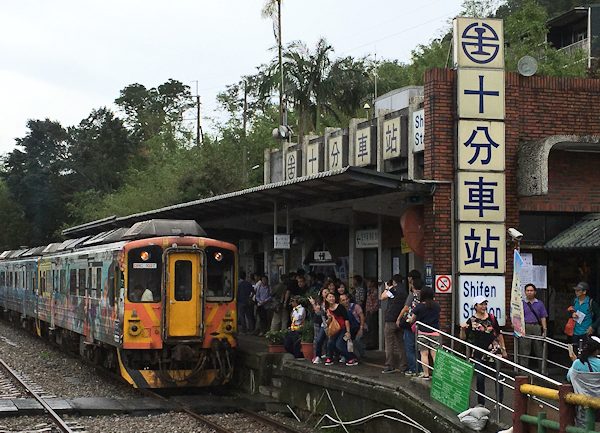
(482, 330)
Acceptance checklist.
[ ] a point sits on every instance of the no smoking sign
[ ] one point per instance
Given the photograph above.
(443, 284)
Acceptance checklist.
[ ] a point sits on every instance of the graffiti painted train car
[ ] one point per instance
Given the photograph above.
(155, 302)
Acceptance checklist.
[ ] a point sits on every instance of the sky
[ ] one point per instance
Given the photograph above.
(63, 58)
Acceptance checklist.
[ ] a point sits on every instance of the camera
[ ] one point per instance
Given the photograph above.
(515, 234)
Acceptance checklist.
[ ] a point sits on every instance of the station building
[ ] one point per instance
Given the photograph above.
(388, 193)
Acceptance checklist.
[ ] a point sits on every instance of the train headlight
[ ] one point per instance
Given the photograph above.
(134, 328)
(144, 255)
(218, 256)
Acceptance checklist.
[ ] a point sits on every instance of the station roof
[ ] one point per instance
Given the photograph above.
(585, 234)
(346, 184)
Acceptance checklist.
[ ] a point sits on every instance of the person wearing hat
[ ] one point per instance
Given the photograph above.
(585, 313)
(482, 330)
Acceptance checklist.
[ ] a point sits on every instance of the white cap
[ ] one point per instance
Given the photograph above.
(479, 300)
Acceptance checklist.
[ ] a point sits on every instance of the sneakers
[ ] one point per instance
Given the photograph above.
(352, 362)
(316, 360)
(342, 360)
(410, 373)
(387, 370)
(323, 356)
(328, 361)
(422, 375)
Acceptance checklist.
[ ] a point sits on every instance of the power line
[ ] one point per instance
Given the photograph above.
(397, 33)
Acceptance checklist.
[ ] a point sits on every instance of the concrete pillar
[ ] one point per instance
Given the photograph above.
(380, 132)
(413, 105)
(380, 273)
(352, 138)
(328, 132)
(305, 141)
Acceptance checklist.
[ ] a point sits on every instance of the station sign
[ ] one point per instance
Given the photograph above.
(281, 242)
(418, 130)
(392, 133)
(368, 238)
(364, 147)
(314, 158)
(490, 286)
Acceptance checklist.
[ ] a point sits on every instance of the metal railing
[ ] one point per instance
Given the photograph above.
(498, 374)
(548, 345)
(579, 45)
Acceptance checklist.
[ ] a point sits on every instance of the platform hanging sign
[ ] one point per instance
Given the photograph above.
(281, 242)
(480, 177)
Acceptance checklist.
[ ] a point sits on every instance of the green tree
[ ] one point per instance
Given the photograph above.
(100, 151)
(15, 230)
(155, 111)
(35, 176)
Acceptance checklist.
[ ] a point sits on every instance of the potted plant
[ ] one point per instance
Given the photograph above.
(275, 339)
(307, 334)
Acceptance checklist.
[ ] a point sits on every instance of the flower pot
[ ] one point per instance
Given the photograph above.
(276, 348)
(308, 350)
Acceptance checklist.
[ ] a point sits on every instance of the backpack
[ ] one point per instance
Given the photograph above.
(354, 323)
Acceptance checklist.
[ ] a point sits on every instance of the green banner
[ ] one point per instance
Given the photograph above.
(451, 382)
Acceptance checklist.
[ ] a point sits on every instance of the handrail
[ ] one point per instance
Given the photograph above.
(544, 359)
(499, 362)
(567, 400)
(491, 355)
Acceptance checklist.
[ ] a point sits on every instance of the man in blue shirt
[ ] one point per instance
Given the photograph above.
(535, 315)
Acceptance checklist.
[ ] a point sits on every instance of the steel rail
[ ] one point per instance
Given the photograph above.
(270, 421)
(63, 427)
(217, 428)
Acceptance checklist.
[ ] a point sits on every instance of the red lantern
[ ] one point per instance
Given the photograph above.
(412, 222)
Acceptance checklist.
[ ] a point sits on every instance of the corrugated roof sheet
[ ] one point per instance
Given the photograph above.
(585, 234)
(345, 184)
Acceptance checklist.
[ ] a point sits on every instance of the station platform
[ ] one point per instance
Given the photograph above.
(352, 392)
(202, 402)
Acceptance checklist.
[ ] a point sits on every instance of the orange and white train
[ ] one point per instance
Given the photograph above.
(155, 302)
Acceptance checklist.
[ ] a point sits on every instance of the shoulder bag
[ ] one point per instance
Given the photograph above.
(333, 328)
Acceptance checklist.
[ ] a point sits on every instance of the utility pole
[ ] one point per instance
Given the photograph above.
(199, 134)
(244, 122)
(198, 127)
(281, 118)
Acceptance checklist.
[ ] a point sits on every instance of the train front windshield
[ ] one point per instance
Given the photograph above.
(220, 274)
(144, 274)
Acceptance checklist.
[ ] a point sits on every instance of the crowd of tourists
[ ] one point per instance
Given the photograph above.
(344, 318)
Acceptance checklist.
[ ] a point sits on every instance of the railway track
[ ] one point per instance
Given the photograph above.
(249, 415)
(34, 392)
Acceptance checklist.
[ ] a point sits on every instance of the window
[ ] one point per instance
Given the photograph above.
(183, 280)
(99, 279)
(63, 281)
(144, 273)
(219, 270)
(73, 282)
(81, 284)
(110, 286)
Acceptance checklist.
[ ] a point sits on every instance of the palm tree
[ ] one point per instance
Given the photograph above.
(272, 10)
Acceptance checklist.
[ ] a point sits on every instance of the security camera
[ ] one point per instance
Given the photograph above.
(515, 234)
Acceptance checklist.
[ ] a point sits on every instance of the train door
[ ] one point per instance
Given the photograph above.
(184, 299)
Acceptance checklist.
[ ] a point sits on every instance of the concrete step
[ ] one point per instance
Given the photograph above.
(269, 391)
